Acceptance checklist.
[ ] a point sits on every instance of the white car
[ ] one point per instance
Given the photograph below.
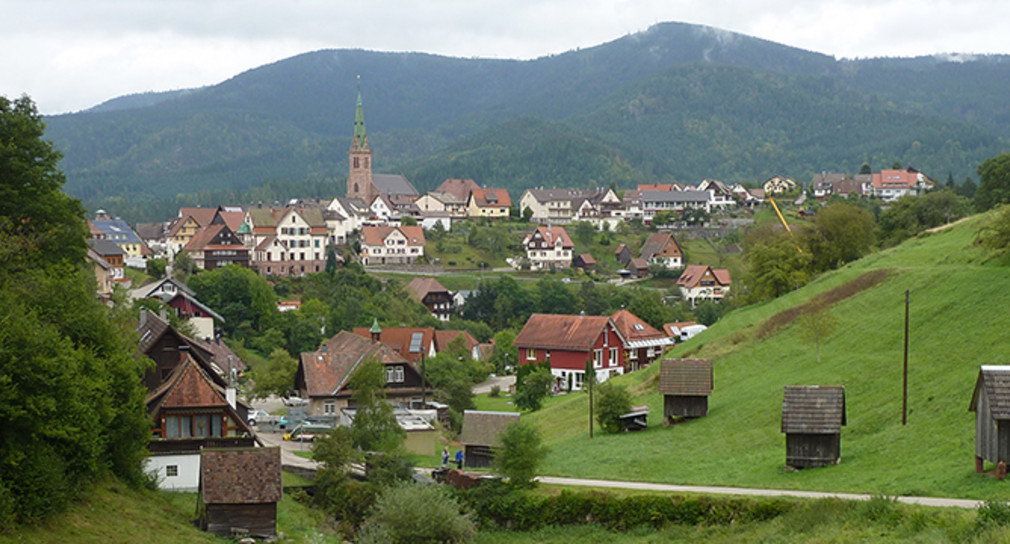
(294, 401)
(257, 415)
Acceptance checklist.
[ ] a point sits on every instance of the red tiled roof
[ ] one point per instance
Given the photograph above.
(376, 236)
(203, 216)
(233, 219)
(399, 340)
(240, 475)
(203, 237)
(695, 272)
(443, 338)
(327, 370)
(633, 327)
(570, 332)
(661, 244)
(668, 328)
(500, 198)
(420, 287)
(460, 188)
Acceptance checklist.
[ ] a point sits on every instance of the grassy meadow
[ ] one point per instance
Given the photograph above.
(958, 308)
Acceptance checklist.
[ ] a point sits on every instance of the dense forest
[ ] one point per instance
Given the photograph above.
(677, 101)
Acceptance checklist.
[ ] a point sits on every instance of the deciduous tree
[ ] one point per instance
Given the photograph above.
(521, 453)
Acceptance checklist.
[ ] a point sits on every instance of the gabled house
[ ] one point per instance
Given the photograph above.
(122, 234)
(653, 202)
(489, 203)
(444, 338)
(434, 296)
(645, 344)
(568, 341)
(584, 261)
(442, 202)
(561, 205)
(114, 257)
(481, 435)
(104, 274)
(323, 375)
(215, 246)
(748, 197)
(196, 313)
(159, 289)
(391, 245)
(622, 254)
(722, 196)
(812, 420)
(893, 184)
(638, 267)
(288, 241)
(548, 246)
(660, 248)
(459, 188)
(779, 184)
(239, 491)
(702, 282)
(190, 410)
(990, 401)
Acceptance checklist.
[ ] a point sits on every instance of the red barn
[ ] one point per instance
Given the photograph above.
(567, 341)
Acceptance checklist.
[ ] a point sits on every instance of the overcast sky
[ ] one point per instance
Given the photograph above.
(69, 55)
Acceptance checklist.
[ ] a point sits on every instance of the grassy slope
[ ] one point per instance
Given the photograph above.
(956, 304)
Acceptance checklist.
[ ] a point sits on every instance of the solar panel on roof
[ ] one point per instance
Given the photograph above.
(415, 342)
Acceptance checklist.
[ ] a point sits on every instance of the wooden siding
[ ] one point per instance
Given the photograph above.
(258, 519)
(476, 456)
(813, 449)
(685, 406)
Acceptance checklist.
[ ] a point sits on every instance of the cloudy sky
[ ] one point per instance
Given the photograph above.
(69, 55)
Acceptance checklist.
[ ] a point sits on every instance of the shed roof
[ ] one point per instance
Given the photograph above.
(240, 475)
(996, 381)
(685, 377)
(485, 428)
(813, 409)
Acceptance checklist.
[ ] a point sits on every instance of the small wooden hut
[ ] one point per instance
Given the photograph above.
(239, 490)
(686, 385)
(635, 420)
(991, 403)
(481, 435)
(812, 418)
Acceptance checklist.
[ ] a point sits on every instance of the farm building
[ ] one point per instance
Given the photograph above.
(812, 417)
(991, 403)
(481, 435)
(685, 385)
(239, 491)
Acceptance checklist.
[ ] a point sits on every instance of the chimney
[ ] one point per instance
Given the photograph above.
(143, 318)
(229, 395)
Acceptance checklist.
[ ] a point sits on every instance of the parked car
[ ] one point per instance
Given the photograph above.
(257, 416)
(307, 432)
(294, 401)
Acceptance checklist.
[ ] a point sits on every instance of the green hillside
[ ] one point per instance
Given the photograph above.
(958, 300)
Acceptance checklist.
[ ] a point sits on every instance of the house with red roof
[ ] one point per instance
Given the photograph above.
(548, 246)
(893, 184)
(645, 343)
(412, 343)
(660, 248)
(391, 245)
(323, 375)
(702, 282)
(489, 203)
(288, 241)
(568, 341)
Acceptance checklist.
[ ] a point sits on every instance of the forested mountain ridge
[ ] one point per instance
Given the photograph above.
(677, 101)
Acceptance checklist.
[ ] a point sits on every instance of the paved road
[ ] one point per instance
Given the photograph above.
(503, 383)
(708, 490)
(288, 449)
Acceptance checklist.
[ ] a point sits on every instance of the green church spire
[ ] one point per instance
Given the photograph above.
(360, 137)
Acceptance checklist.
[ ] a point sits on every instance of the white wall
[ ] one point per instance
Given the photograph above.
(188, 470)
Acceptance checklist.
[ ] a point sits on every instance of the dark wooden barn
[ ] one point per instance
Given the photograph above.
(812, 419)
(991, 403)
(239, 491)
(481, 435)
(686, 385)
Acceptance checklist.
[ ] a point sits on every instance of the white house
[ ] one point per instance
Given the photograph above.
(548, 246)
(391, 245)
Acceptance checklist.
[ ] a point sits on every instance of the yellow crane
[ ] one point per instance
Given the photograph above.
(783, 220)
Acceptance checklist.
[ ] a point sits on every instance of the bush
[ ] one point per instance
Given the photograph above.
(521, 453)
(495, 391)
(612, 401)
(410, 513)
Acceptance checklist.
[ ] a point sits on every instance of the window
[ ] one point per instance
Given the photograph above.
(633, 354)
(613, 357)
(171, 470)
(597, 358)
(394, 374)
(531, 354)
(330, 407)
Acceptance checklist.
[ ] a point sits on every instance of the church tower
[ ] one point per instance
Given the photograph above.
(359, 158)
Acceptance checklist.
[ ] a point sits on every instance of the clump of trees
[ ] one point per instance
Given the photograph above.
(71, 403)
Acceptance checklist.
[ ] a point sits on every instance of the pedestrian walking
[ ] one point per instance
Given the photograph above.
(459, 459)
(445, 456)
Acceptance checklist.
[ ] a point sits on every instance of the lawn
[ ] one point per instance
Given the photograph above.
(954, 293)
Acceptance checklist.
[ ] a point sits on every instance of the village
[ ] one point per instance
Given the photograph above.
(210, 438)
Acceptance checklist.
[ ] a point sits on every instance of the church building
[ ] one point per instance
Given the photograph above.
(361, 182)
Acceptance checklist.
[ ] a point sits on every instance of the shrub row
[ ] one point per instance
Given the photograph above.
(497, 505)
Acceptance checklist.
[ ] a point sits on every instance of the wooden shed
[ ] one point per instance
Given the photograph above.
(991, 403)
(481, 435)
(239, 491)
(686, 385)
(812, 419)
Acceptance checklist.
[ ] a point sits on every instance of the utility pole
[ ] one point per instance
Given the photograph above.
(904, 385)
